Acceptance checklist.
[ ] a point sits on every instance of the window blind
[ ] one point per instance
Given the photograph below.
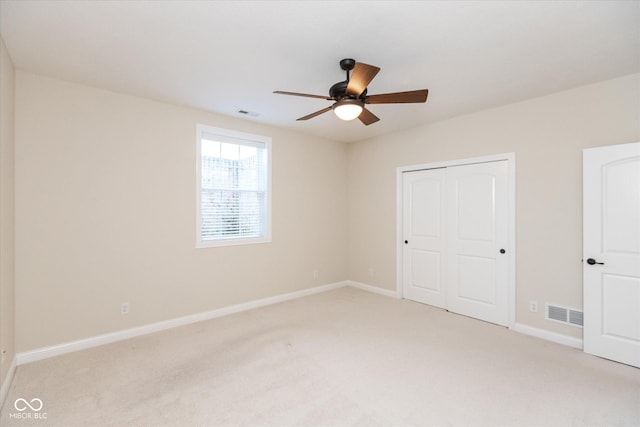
(233, 188)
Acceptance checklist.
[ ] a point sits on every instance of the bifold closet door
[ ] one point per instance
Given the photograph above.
(455, 227)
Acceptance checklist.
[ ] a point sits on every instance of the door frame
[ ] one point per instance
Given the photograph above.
(511, 215)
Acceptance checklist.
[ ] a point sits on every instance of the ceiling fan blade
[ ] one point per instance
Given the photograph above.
(317, 113)
(306, 95)
(367, 117)
(361, 76)
(398, 97)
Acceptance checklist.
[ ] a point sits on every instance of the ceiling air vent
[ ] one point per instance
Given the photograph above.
(565, 315)
(248, 113)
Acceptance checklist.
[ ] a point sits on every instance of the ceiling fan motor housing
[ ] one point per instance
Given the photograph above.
(339, 91)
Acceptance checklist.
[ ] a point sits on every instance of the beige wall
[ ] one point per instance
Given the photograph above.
(7, 300)
(105, 204)
(547, 135)
(105, 214)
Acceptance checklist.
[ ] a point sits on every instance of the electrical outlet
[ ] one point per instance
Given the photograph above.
(4, 355)
(316, 274)
(124, 308)
(533, 306)
(372, 272)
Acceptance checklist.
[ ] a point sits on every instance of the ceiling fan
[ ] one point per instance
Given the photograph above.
(350, 96)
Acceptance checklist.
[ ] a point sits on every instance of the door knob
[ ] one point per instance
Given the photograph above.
(502, 251)
(406, 241)
(592, 261)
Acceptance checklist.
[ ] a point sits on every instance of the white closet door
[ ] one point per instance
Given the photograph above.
(456, 235)
(424, 232)
(611, 239)
(477, 238)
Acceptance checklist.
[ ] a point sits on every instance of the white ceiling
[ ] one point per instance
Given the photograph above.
(222, 56)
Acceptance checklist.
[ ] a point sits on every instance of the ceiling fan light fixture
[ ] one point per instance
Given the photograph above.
(348, 109)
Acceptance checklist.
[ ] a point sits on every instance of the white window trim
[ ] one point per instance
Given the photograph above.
(225, 134)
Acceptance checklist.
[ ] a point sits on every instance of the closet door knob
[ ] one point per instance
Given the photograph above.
(406, 241)
(502, 251)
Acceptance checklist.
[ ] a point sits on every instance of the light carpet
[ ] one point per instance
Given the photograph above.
(341, 358)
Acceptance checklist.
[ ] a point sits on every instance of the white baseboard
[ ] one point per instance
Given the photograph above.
(547, 335)
(83, 344)
(6, 384)
(374, 289)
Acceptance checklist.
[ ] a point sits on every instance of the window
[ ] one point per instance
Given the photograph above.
(233, 188)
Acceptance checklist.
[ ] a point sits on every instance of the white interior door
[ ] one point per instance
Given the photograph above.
(477, 241)
(424, 232)
(611, 240)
